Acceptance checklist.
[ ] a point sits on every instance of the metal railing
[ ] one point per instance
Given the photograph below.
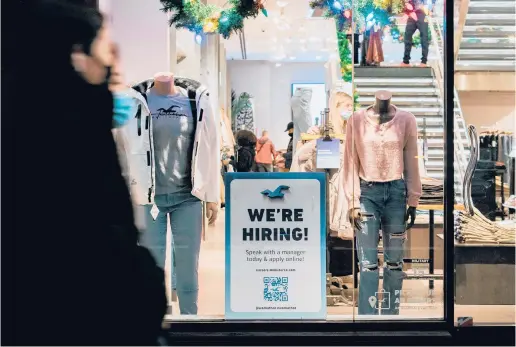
(461, 157)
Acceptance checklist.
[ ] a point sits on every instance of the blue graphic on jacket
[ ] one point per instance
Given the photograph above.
(277, 193)
(124, 107)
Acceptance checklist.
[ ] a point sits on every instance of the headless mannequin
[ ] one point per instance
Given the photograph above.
(381, 112)
(176, 202)
(164, 85)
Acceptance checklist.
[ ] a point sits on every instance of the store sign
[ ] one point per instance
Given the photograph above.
(275, 246)
(328, 154)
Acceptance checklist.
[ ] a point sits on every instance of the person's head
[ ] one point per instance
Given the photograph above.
(70, 40)
(344, 103)
(245, 138)
(290, 129)
(265, 133)
(341, 108)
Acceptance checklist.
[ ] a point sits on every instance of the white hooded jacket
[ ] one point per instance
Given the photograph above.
(136, 147)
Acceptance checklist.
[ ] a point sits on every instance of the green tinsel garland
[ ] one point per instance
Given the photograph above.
(346, 63)
(199, 18)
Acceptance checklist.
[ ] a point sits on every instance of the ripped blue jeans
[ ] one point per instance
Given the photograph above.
(387, 201)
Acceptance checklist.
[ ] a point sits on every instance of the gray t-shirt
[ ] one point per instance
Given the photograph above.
(173, 129)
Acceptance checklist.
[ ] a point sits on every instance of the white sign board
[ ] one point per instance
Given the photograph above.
(275, 246)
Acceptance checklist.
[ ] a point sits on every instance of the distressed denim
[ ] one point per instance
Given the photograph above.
(185, 213)
(387, 202)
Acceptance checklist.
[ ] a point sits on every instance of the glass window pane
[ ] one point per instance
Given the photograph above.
(396, 156)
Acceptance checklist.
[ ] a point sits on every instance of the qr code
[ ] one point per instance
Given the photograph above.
(275, 288)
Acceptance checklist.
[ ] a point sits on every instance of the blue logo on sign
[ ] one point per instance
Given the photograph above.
(277, 193)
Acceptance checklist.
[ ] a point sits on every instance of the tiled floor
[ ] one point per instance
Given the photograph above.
(417, 306)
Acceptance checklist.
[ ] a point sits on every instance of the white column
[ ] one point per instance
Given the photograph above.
(190, 67)
(142, 32)
(172, 38)
(210, 66)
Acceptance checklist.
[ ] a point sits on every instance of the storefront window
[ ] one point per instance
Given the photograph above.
(295, 162)
(484, 221)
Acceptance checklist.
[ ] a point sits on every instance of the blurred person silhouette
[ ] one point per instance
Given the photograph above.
(243, 161)
(265, 153)
(76, 264)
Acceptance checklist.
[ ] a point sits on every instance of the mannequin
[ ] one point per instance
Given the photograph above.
(383, 184)
(301, 116)
(177, 116)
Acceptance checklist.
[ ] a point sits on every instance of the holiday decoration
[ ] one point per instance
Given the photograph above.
(346, 63)
(346, 12)
(201, 18)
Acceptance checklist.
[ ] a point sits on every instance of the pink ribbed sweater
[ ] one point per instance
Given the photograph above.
(381, 153)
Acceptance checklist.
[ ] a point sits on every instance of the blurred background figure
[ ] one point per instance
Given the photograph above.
(75, 255)
(265, 153)
(246, 151)
(288, 154)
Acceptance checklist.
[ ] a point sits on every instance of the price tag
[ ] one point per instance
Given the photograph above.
(154, 211)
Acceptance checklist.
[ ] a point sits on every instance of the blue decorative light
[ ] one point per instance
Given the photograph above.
(198, 39)
(224, 19)
(337, 5)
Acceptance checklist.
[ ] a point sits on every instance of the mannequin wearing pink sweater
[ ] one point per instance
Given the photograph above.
(381, 179)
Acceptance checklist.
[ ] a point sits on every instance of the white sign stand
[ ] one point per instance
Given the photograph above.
(275, 246)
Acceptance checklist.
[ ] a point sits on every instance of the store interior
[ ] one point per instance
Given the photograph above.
(253, 77)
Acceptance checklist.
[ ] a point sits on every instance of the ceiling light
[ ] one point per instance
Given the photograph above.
(281, 3)
(318, 57)
(278, 64)
(292, 58)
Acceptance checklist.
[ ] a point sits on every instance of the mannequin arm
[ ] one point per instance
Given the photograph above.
(212, 164)
(351, 180)
(411, 165)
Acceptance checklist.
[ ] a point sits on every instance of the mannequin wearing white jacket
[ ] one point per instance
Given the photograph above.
(174, 165)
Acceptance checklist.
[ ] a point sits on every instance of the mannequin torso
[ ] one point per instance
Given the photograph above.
(173, 127)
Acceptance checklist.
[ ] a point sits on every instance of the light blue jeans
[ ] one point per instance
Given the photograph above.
(388, 203)
(185, 213)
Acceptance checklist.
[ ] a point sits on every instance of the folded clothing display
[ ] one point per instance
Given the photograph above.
(478, 229)
(433, 191)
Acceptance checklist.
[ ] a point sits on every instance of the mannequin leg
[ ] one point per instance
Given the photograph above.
(367, 249)
(410, 29)
(155, 239)
(186, 226)
(394, 236)
(155, 235)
